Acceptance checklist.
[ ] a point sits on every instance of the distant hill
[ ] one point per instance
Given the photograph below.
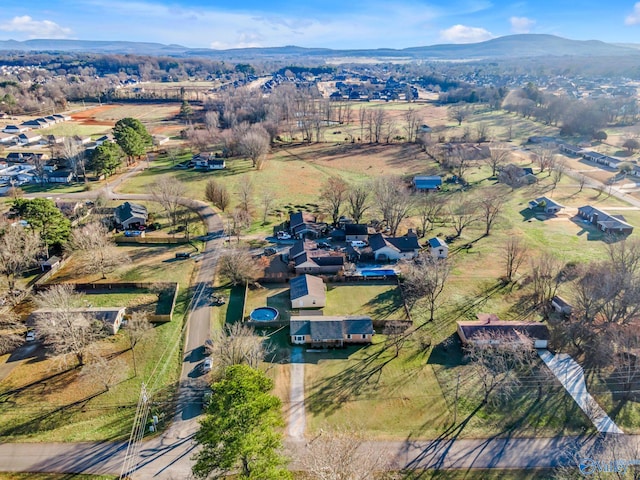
(511, 46)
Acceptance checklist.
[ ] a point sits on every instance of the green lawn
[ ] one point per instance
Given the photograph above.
(70, 129)
(379, 300)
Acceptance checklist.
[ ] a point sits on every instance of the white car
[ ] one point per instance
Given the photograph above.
(283, 235)
(31, 336)
(207, 365)
(358, 243)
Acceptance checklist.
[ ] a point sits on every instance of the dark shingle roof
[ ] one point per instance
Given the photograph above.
(404, 244)
(296, 219)
(300, 327)
(296, 249)
(128, 210)
(325, 330)
(329, 260)
(355, 229)
(376, 242)
(356, 326)
(436, 242)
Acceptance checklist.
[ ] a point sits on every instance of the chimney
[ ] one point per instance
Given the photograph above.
(594, 219)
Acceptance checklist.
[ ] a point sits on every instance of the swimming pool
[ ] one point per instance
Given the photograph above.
(264, 314)
(378, 272)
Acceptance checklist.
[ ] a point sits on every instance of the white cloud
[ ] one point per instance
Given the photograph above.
(465, 34)
(35, 28)
(634, 17)
(521, 24)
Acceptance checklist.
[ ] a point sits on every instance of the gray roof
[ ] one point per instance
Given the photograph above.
(296, 249)
(296, 219)
(306, 285)
(376, 241)
(299, 327)
(129, 210)
(356, 326)
(330, 327)
(548, 202)
(326, 330)
(604, 219)
(329, 260)
(504, 329)
(404, 244)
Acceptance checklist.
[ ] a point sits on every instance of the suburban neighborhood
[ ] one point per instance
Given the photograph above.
(315, 270)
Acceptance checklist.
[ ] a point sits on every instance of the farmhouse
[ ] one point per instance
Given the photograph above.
(394, 248)
(131, 215)
(208, 161)
(438, 248)
(490, 329)
(605, 222)
(307, 291)
(427, 183)
(546, 204)
(111, 317)
(335, 331)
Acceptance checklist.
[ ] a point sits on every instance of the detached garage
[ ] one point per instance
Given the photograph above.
(307, 291)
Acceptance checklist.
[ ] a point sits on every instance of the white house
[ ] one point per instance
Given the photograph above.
(438, 248)
(394, 248)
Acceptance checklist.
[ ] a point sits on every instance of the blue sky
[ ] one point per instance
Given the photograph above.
(330, 23)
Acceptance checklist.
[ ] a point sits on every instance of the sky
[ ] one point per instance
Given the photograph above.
(337, 24)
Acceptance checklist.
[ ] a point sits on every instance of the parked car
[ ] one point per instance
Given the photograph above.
(207, 365)
(324, 245)
(282, 235)
(31, 336)
(358, 243)
(183, 255)
(270, 251)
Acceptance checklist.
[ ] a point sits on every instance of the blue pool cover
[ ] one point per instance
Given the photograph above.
(378, 273)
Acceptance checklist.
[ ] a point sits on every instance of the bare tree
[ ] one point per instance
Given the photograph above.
(498, 360)
(240, 219)
(582, 180)
(394, 201)
(546, 278)
(267, 199)
(557, 172)
(217, 193)
(514, 254)
(245, 194)
(498, 157)
(96, 249)
(12, 328)
(425, 279)
(74, 154)
(412, 122)
(138, 328)
(333, 194)
(237, 344)
(459, 113)
(490, 206)
(462, 213)
(19, 249)
(104, 373)
(168, 192)
(238, 267)
(65, 331)
(544, 156)
(254, 144)
(429, 207)
(342, 455)
(357, 199)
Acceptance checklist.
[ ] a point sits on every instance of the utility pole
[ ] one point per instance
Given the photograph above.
(137, 433)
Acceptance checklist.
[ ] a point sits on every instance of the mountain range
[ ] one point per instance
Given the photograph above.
(511, 46)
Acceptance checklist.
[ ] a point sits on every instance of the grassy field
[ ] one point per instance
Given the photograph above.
(69, 129)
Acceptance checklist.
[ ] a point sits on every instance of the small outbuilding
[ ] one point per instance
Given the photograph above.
(307, 291)
(438, 248)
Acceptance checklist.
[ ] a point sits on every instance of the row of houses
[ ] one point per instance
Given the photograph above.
(36, 123)
(599, 158)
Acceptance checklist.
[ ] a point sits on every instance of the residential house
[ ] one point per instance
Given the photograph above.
(104, 138)
(111, 317)
(131, 215)
(35, 124)
(560, 305)
(81, 139)
(438, 248)
(61, 117)
(546, 204)
(490, 329)
(307, 291)
(601, 159)
(69, 209)
(54, 139)
(334, 331)
(356, 232)
(7, 138)
(424, 183)
(208, 161)
(326, 262)
(394, 248)
(15, 129)
(19, 157)
(304, 225)
(613, 224)
(59, 176)
(572, 150)
(27, 138)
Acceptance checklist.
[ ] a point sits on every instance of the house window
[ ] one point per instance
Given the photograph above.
(364, 336)
(348, 336)
(299, 338)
